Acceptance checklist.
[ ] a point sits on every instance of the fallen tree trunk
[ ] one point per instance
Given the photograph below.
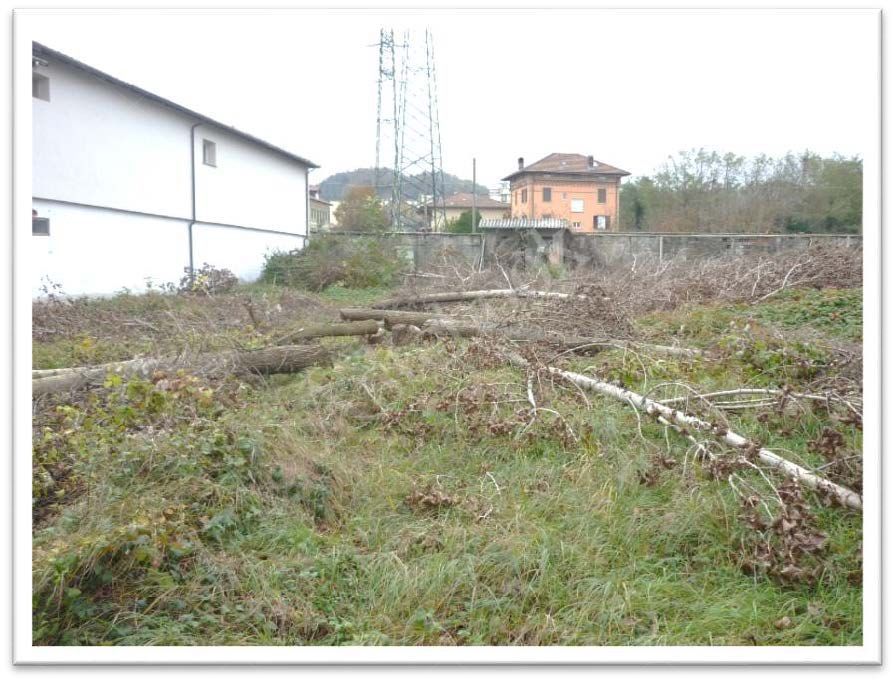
(389, 317)
(315, 331)
(439, 325)
(844, 496)
(274, 360)
(451, 296)
(120, 366)
(435, 325)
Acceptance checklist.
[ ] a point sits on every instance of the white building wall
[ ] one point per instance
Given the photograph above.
(96, 252)
(95, 143)
(250, 185)
(98, 146)
(240, 251)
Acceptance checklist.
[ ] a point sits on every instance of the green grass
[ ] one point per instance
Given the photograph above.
(833, 312)
(281, 512)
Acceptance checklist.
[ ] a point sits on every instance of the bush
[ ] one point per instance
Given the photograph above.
(463, 223)
(207, 280)
(356, 263)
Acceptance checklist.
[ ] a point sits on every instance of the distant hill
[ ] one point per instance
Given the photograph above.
(333, 188)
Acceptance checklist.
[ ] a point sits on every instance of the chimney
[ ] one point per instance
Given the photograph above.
(590, 162)
(521, 163)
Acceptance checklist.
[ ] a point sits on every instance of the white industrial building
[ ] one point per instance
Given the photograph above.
(130, 188)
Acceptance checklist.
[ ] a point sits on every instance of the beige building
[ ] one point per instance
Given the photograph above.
(319, 211)
(457, 204)
(571, 187)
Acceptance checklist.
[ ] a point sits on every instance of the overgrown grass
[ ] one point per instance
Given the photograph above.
(832, 312)
(402, 497)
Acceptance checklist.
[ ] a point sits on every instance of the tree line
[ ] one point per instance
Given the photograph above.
(705, 191)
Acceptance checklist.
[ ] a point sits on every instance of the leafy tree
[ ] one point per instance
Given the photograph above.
(361, 211)
(704, 191)
(463, 223)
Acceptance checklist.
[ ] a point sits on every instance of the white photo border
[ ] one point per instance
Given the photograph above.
(25, 652)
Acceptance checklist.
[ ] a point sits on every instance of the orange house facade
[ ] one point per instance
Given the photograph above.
(573, 187)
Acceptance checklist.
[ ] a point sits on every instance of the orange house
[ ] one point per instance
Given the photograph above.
(574, 187)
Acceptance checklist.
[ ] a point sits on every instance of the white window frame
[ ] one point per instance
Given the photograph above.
(579, 203)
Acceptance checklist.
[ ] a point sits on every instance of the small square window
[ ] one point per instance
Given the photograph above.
(577, 205)
(40, 226)
(209, 153)
(601, 196)
(40, 87)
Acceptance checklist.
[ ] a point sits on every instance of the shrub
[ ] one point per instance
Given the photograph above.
(207, 280)
(328, 260)
(463, 223)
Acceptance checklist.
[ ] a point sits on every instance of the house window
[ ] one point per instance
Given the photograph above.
(209, 153)
(577, 205)
(40, 87)
(576, 225)
(40, 226)
(601, 196)
(524, 196)
(601, 222)
(548, 194)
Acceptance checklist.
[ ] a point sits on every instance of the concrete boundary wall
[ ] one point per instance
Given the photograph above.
(606, 249)
(423, 249)
(593, 249)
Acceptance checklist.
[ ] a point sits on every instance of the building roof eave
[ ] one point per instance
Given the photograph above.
(586, 175)
(42, 51)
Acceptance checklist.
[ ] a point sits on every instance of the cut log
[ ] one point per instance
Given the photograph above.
(844, 496)
(388, 317)
(316, 331)
(441, 327)
(274, 360)
(77, 377)
(433, 324)
(119, 365)
(451, 296)
(404, 334)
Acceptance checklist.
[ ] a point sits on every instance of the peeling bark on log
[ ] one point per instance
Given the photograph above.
(84, 376)
(844, 496)
(316, 331)
(120, 366)
(274, 360)
(451, 296)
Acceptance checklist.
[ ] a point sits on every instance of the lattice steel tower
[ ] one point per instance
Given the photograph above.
(408, 134)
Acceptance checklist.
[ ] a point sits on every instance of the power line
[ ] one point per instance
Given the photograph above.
(407, 80)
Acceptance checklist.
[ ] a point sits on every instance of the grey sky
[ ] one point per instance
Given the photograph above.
(628, 87)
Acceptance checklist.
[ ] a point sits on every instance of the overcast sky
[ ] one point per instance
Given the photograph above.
(631, 88)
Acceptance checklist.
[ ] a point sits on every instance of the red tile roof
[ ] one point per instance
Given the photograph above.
(464, 200)
(569, 163)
